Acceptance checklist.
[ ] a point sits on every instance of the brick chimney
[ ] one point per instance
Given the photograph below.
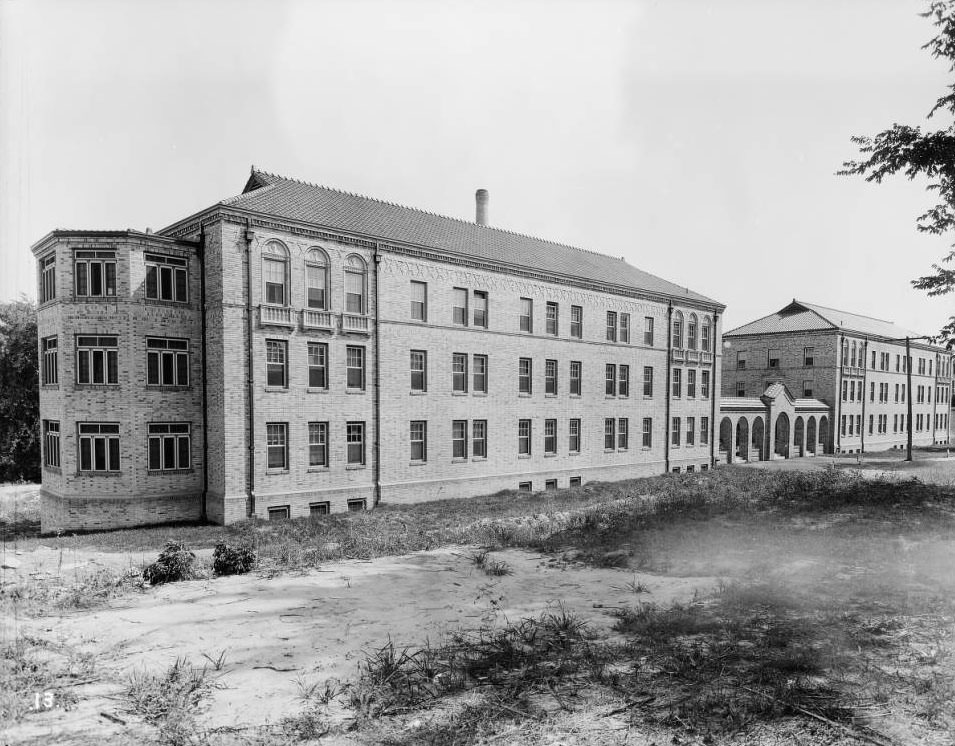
(481, 198)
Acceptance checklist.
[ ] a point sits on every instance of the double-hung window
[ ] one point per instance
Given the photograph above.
(169, 446)
(419, 370)
(573, 436)
(677, 383)
(704, 430)
(610, 433)
(550, 377)
(480, 374)
(167, 278)
(47, 278)
(419, 300)
(97, 359)
(355, 443)
(316, 280)
(647, 432)
(167, 362)
(623, 381)
(550, 325)
(527, 315)
(95, 273)
(648, 380)
(691, 383)
(611, 326)
(524, 437)
(675, 432)
(459, 306)
(459, 439)
(459, 373)
(276, 444)
(50, 368)
(317, 365)
(479, 439)
(318, 444)
(356, 275)
(480, 308)
(648, 331)
(623, 433)
(576, 368)
(355, 368)
(550, 437)
(625, 327)
(524, 375)
(690, 430)
(419, 440)
(51, 443)
(705, 384)
(275, 274)
(98, 446)
(276, 363)
(705, 335)
(577, 322)
(611, 380)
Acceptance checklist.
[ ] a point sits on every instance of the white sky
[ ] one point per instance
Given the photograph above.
(699, 140)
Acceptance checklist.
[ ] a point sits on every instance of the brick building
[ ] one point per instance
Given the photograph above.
(297, 349)
(809, 379)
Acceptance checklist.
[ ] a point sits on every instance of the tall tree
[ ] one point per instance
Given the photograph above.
(19, 393)
(931, 155)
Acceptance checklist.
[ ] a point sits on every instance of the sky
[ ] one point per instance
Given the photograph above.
(698, 140)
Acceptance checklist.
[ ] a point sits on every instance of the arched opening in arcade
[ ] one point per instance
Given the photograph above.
(782, 435)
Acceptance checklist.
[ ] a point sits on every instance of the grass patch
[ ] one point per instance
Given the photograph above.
(490, 567)
(31, 666)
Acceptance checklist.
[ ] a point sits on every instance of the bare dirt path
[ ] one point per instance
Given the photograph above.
(314, 626)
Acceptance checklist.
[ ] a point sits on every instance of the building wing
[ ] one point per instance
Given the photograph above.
(800, 316)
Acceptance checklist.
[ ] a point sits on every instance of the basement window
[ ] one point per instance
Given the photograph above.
(279, 513)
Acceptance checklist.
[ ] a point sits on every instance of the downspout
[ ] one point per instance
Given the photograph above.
(865, 377)
(934, 385)
(836, 427)
(714, 392)
(376, 403)
(666, 417)
(250, 372)
(205, 375)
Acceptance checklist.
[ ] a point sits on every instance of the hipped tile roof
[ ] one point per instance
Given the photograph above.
(800, 316)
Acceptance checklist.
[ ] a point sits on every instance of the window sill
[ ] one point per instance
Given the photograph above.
(479, 458)
(99, 474)
(95, 386)
(623, 396)
(166, 302)
(550, 396)
(610, 450)
(550, 455)
(459, 393)
(168, 472)
(523, 455)
(355, 391)
(163, 387)
(317, 470)
(417, 463)
(646, 448)
(52, 469)
(459, 460)
(574, 396)
(276, 390)
(50, 387)
(479, 393)
(417, 393)
(94, 299)
(523, 395)
(315, 390)
(354, 467)
(275, 472)
(622, 450)
(573, 453)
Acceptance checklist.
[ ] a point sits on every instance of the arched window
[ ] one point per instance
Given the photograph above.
(678, 331)
(853, 359)
(691, 332)
(316, 280)
(845, 352)
(705, 334)
(356, 275)
(275, 273)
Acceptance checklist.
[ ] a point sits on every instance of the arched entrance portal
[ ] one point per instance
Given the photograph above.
(824, 433)
(799, 434)
(726, 439)
(742, 439)
(811, 435)
(781, 435)
(759, 437)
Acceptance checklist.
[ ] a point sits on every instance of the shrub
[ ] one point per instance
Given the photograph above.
(175, 562)
(228, 560)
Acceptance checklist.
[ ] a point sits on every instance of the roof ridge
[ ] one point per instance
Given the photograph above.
(236, 197)
(839, 310)
(770, 315)
(434, 214)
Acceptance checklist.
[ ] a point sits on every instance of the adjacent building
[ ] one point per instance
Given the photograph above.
(809, 379)
(297, 350)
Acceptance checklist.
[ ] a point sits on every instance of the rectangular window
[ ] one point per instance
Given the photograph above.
(524, 437)
(575, 377)
(611, 326)
(316, 281)
(355, 368)
(842, 425)
(690, 430)
(51, 443)
(459, 373)
(550, 377)
(577, 322)
(48, 278)
(845, 390)
(480, 374)
(480, 308)
(740, 388)
(648, 380)
(611, 377)
(276, 363)
(355, 442)
(169, 446)
(610, 433)
(95, 273)
(574, 482)
(807, 389)
(525, 486)
(550, 319)
(357, 505)
(318, 444)
(623, 433)
(524, 372)
(677, 383)
(97, 359)
(705, 384)
(355, 286)
(625, 327)
(479, 439)
(573, 436)
(773, 356)
(675, 433)
(167, 362)
(550, 485)
(50, 367)
(871, 391)
(273, 271)
(276, 441)
(859, 424)
(167, 278)
(317, 365)
(550, 437)
(279, 513)
(419, 370)
(527, 315)
(419, 300)
(98, 446)
(704, 430)
(459, 439)
(647, 432)
(873, 368)
(459, 306)
(623, 381)
(648, 330)
(419, 440)
(705, 336)
(323, 508)
(691, 383)
(740, 361)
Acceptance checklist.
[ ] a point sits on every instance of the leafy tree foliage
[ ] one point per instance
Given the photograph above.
(19, 393)
(908, 150)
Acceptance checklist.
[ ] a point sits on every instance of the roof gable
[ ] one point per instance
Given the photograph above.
(800, 316)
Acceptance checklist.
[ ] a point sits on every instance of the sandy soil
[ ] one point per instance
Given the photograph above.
(311, 627)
